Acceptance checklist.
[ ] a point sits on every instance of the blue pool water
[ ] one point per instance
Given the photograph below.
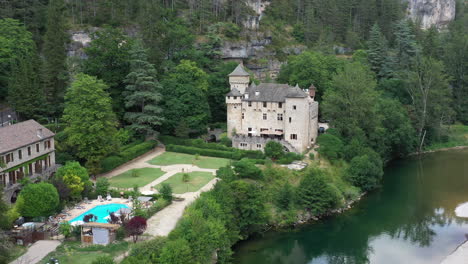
(100, 211)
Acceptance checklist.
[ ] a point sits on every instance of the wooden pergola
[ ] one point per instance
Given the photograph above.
(98, 233)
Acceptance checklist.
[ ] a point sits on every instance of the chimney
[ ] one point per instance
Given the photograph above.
(312, 91)
(39, 133)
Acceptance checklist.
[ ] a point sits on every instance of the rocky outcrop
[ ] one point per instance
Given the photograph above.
(258, 6)
(432, 12)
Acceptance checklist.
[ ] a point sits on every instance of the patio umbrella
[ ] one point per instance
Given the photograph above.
(462, 210)
(77, 223)
(147, 192)
(124, 211)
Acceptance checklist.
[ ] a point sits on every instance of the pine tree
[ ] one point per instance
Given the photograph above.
(24, 91)
(377, 49)
(142, 94)
(405, 44)
(55, 75)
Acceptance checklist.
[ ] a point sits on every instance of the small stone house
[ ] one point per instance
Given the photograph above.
(257, 114)
(26, 150)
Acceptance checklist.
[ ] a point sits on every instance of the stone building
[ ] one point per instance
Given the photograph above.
(26, 150)
(257, 114)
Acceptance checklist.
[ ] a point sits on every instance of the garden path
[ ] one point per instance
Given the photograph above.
(37, 251)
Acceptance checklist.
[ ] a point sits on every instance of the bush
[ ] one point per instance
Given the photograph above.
(330, 146)
(290, 157)
(102, 186)
(146, 252)
(204, 152)
(366, 171)
(274, 150)
(157, 206)
(65, 229)
(285, 197)
(225, 141)
(103, 260)
(311, 156)
(176, 252)
(166, 192)
(39, 199)
(314, 194)
(247, 169)
(128, 153)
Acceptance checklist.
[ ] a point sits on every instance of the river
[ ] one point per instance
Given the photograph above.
(410, 220)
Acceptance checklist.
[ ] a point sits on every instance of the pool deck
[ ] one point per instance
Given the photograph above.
(93, 203)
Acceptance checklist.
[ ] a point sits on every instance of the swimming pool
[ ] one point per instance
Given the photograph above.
(100, 211)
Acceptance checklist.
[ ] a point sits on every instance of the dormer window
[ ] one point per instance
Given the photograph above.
(246, 96)
(235, 97)
(280, 105)
(257, 93)
(264, 104)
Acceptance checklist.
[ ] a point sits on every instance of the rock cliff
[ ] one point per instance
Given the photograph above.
(432, 12)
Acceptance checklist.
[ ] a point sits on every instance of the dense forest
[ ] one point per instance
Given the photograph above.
(155, 67)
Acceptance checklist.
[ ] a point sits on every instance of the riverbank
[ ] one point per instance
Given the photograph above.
(438, 150)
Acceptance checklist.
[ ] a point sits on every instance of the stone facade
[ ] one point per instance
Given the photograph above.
(32, 155)
(257, 114)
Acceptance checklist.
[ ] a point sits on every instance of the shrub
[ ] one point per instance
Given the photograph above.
(146, 251)
(39, 199)
(65, 229)
(366, 171)
(225, 141)
(204, 152)
(157, 206)
(176, 252)
(128, 153)
(285, 197)
(103, 260)
(311, 156)
(290, 157)
(330, 146)
(75, 177)
(185, 177)
(166, 192)
(247, 169)
(274, 150)
(314, 194)
(102, 186)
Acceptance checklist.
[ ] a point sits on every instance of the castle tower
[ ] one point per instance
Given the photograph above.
(239, 80)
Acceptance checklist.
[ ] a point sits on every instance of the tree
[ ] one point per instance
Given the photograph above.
(274, 150)
(25, 93)
(217, 90)
(142, 94)
(176, 252)
(135, 227)
(75, 177)
(314, 193)
(4, 222)
(285, 197)
(55, 74)
(65, 229)
(226, 174)
(405, 45)
(430, 93)
(377, 49)
(108, 60)
(310, 68)
(351, 101)
(245, 168)
(102, 186)
(90, 122)
(39, 199)
(15, 43)
(330, 146)
(185, 98)
(166, 192)
(365, 171)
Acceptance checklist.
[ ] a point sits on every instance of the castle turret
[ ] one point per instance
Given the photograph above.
(239, 79)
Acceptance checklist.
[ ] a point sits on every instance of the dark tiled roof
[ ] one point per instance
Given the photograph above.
(234, 92)
(273, 92)
(22, 134)
(239, 71)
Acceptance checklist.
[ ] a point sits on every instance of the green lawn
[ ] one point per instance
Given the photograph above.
(74, 253)
(197, 180)
(171, 158)
(127, 179)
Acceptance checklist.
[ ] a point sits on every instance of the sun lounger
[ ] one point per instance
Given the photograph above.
(100, 198)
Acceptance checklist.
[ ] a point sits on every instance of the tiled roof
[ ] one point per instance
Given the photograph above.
(22, 134)
(234, 92)
(239, 71)
(273, 92)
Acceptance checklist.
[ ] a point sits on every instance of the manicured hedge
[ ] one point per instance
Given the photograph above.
(128, 153)
(235, 154)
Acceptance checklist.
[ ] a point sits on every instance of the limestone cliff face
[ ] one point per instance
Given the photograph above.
(432, 12)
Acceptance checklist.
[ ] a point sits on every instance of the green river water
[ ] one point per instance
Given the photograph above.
(410, 220)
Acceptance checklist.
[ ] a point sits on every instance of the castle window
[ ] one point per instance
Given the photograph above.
(29, 151)
(235, 97)
(294, 107)
(250, 104)
(293, 136)
(229, 97)
(280, 117)
(264, 116)
(243, 144)
(20, 154)
(259, 146)
(264, 104)
(37, 147)
(290, 119)
(242, 115)
(280, 105)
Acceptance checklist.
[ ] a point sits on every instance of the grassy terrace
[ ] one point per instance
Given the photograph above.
(197, 180)
(74, 253)
(171, 158)
(128, 180)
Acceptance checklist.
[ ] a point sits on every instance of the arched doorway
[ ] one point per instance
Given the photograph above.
(14, 196)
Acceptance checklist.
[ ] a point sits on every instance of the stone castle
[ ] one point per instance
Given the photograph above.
(257, 114)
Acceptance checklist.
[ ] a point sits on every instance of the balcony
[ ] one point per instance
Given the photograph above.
(43, 175)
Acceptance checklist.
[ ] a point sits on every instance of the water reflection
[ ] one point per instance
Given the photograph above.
(411, 220)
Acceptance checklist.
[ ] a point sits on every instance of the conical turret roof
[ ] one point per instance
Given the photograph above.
(239, 71)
